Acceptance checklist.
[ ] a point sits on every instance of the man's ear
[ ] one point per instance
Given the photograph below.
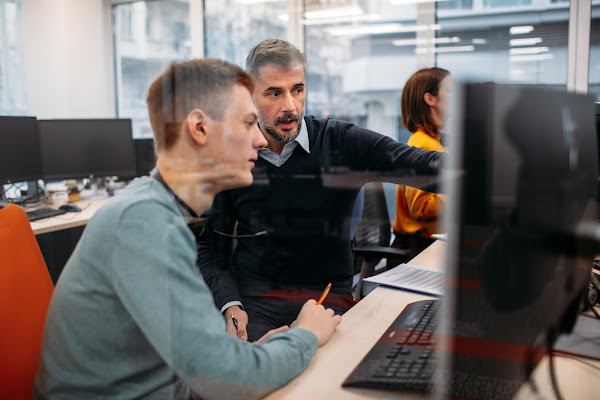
(430, 99)
(196, 124)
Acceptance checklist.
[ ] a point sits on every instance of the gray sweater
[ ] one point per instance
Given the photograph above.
(131, 316)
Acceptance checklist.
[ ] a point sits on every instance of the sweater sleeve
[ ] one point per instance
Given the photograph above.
(160, 287)
(423, 206)
(214, 253)
(362, 149)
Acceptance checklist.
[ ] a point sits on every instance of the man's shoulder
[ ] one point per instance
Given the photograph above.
(321, 125)
(139, 199)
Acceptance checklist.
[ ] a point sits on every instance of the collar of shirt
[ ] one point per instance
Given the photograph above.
(280, 159)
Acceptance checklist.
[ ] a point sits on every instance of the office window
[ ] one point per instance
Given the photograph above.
(148, 37)
(233, 27)
(12, 79)
(361, 54)
(504, 41)
(594, 66)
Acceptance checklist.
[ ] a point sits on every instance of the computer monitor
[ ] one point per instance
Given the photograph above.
(523, 181)
(80, 148)
(145, 156)
(19, 150)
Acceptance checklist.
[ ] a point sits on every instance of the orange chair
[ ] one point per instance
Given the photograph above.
(25, 291)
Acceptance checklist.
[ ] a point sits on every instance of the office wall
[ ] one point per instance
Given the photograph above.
(68, 59)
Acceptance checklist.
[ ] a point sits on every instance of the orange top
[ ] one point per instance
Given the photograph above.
(416, 210)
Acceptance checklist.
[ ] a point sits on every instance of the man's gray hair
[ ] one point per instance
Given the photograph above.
(280, 53)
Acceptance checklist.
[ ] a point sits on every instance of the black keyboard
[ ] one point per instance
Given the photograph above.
(42, 213)
(404, 357)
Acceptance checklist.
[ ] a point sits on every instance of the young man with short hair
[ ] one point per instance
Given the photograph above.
(131, 316)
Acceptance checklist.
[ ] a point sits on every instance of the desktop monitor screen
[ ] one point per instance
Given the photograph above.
(79, 148)
(523, 182)
(19, 150)
(145, 156)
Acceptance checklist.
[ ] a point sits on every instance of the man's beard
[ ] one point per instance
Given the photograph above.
(270, 129)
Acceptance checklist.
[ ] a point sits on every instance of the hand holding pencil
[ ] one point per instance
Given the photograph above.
(319, 320)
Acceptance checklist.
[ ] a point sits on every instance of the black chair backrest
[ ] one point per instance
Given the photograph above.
(374, 229)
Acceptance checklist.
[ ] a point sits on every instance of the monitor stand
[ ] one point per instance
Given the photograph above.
(33, 195)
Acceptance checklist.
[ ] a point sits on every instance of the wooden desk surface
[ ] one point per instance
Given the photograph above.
(68, 220)
(364, 324)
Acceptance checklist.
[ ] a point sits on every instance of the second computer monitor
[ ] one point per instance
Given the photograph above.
(79, 148)
(145, 156)
(19, 150)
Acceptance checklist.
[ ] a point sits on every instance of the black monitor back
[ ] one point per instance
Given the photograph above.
(523, 179)
(145, 156)
(19, 150)
(79, 148)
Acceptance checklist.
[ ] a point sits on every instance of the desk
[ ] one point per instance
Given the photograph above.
(57, 236)
(69, 220)
(364, 323)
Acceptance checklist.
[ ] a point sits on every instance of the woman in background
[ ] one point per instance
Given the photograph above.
(424, 113)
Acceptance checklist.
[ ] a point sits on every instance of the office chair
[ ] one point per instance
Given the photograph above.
(25, 291)
(372, 237)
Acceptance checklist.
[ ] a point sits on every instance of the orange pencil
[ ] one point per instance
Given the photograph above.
(324, 294)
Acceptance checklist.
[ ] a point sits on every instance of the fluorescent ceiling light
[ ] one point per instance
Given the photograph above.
(248, 2)
(519, 30)
(337, 20)
(525, 41)
(334, 12)
(414, 42)
(378, 29)
(447, 49)
(531, 57)
(528, 50)
(401, 2)
(478, 41)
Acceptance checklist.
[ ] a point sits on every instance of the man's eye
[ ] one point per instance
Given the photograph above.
(273, 94)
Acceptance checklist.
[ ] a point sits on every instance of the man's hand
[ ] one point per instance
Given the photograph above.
(242, 321)
(272, 332)
(317, 319)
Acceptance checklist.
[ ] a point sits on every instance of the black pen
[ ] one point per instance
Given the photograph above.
(234, 321)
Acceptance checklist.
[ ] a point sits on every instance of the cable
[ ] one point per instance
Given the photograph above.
(565, 353)
(241, 236)
(577, 357)
(593, 309)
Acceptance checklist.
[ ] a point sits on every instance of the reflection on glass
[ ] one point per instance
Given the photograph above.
(360, 55)
(148, 37)
(519, 41)
(12, 78)
(233, 27)
(594, 66)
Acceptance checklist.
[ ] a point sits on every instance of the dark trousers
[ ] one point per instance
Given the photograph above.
(281, 307)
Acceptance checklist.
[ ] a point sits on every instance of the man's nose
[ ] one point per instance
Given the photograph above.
(288, 103)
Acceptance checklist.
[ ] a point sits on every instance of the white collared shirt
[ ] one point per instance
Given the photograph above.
(279, 159)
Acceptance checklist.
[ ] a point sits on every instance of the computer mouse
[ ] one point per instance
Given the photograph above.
(70, 207)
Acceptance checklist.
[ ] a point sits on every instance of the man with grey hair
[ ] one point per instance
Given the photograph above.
(263, 283)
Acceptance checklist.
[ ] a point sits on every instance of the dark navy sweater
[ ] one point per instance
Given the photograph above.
(305, 205)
